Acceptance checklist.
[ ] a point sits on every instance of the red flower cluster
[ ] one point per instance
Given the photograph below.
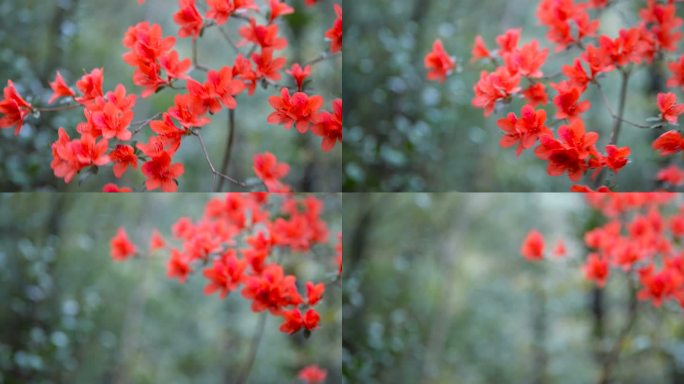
(519, 73)
(106, 137)
(639, 238)
(312, 374)
(235, 243)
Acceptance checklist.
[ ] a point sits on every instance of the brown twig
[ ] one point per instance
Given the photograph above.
(611, 358)
(195, 61)
(253, 349)
(211, 165)
(324, 56)
(57, 109)
(229, 149)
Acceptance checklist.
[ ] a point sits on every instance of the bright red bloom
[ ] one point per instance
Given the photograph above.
(178, 266)
(677, 69)
(90, 86)
(311, 319)
(536, 95)
(533, 246)
(312, 374)
(267, 66)
(597, 60)
(569, 154)
(559, 250)
(293, 321)
(60, 89)
(576, 75)
(161, 173)
(669, 143)
(113, 121)
(189, 19)
(671, 175)
(225, 274)
(279, 9)
(271, 290)
(585, 189)
(567, 101)
(299, 74)
(508, 41)
(13, 108)
(220, 10)
(121, 248)
(657, 286)
(123, 157)
(329, 126)
(113, 188)
(596, 269)
(265, 36)
(669, 109)
(268, 169)
(334, 34)
(616, 158)
(480, 50)
(299, 109)
(438, 63)
(174, 67)
(523, 131)
(168, 136)
(528, 60)
(157, 241)
(492, 87)
(220, 87)
(189, 112)
(563, 17)
(314, 292)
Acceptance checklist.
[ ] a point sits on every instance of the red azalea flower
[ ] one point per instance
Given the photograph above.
(438, 63)
(161, 173)
(121, 247)
(533, 246)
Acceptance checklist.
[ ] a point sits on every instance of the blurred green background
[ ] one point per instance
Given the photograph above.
(38, 37)
(436, 291)
(404, 133)
(70, 314)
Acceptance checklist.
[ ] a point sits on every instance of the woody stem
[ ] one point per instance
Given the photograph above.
(613, 355)
(617, 120)
(229, 149)
(253, 349)
(621, 109)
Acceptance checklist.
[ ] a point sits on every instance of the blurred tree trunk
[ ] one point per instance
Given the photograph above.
(444, 310)
(134, 318)
(358, 242)
(17, 334)
(539, 334)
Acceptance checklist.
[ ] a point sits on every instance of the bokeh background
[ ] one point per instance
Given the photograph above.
(70, 314)
(436, 291)
(38, 37)
(404, 133)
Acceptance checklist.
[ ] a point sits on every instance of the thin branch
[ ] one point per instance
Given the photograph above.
(195, 62)
(58, 109)
(324, 56)
(139, 125)
(616, 117)
(613, 355)
(229, 148)
(211, 165)
(253, 349)
(230, 41)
